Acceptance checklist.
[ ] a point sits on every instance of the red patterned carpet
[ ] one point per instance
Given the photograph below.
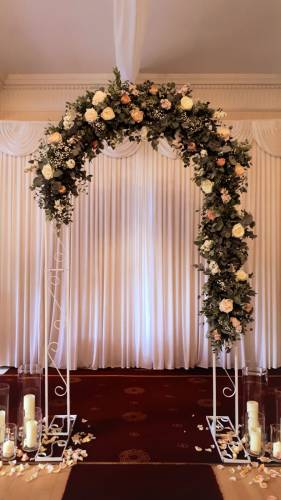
(143, 416)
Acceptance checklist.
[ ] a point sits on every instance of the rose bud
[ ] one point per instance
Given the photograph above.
(220, 162)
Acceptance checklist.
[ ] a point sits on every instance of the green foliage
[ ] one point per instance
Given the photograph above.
(147, 111)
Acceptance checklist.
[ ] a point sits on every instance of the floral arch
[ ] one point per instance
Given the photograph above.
(195, 131)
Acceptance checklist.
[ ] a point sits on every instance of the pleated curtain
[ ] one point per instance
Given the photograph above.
(133, 286)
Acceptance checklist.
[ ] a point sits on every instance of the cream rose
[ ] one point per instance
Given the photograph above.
(165, 104)
(203, 153)
(186, 103)
(47, 171)
(207, 186)
(226, 305)
(239, 170)
(108, 114)
(213, 267)
(137, 115)
(223, 132)
(70, 163)
(241, 275)
(98, 97)
(206, 246)
(238, 231)
(90, 115)
(54, 138)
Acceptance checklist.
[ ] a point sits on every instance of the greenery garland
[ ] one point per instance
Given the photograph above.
(148, 111)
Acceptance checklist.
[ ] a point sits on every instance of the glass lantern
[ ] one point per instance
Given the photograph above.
(30, 382)
(32, 431)
(9, 444)
(4, 408)
(254, 387)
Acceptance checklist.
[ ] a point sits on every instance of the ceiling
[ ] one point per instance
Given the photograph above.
(182, 36)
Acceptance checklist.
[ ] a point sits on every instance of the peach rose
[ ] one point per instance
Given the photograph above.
(137, 115)
(62, 189)
(238, 231)
(153, 89)
(191, 146)
(239, 170)
(211, 214)
(248, 307)
(226, 305)
(125, 99)
(224, 132)
(54, 138)
(220, 162)
(236, 324)
(165, 104)
(216, 335)
(108, 114)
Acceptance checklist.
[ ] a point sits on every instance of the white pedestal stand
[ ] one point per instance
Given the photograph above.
(60, 425)
(222, 425)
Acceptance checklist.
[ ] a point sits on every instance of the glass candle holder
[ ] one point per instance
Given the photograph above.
(29, 381)
(32, 431)
(9, 445)
(275, 438)
(4, 408)
(254, 386)
(255, 433)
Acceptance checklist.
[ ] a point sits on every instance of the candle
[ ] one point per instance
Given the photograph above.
(255, 440)
(252, 408)
(276, 450)
(29, 406)
(2, 425)
(8, 449)
(31, 434)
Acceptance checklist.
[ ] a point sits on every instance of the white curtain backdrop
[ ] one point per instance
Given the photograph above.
(133, 286)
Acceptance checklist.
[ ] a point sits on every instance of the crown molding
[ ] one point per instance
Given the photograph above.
(78, 81)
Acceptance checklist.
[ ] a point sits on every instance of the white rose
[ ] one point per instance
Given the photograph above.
(241, 275)
(238, 231)
(47, 171)
(70, 163)
(203, 153)
(226, 305)
(213, 267)
(207, 186)
(108, 114)
(186, 103)
(99, 97)
(206, 246)
(219, 115)
(91, 115)
(223, 132)
(54, 138)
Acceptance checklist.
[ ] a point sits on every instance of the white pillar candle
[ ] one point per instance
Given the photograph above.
(31, 433)
(252, 407)
(29, 406)
(8, 449)
(255, 440)
(2, 425)
(276, 450)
